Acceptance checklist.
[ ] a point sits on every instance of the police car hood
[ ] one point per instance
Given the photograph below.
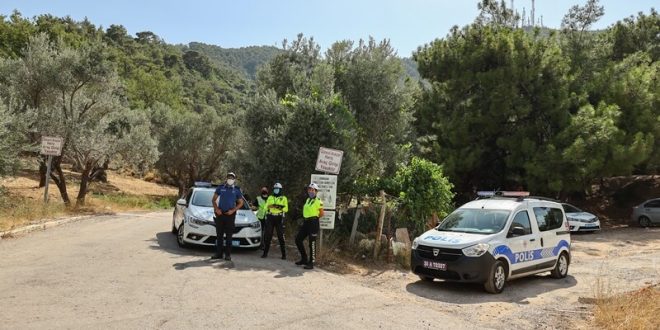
(206, 213)
(452, 240)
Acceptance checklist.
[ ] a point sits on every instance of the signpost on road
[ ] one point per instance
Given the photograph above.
(50, 146)
(327, 161)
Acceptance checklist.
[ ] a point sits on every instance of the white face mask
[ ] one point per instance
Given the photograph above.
(230, 182)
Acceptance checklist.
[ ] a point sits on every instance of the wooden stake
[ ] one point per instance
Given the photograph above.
(381, 219)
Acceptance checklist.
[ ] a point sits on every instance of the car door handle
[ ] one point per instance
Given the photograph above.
(532, 240)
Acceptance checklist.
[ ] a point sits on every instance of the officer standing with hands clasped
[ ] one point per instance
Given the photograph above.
(312, 211)
(277, 206)
(227, 199)
(260, 206)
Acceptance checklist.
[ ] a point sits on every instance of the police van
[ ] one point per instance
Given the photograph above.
(495, 238)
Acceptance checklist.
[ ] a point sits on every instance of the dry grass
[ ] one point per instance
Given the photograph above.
(21, 200)
(633, 310)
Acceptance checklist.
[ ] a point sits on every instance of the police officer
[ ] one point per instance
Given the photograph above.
(259, 205)
(277, 206)
(312, 211)
(227, 199)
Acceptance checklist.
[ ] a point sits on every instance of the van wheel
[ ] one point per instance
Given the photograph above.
(644, 221)
(561, 268)
(496, 278)
(179, 237)
(426, 278)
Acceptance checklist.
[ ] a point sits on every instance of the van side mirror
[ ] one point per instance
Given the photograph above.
(182, 202)
(517, 231)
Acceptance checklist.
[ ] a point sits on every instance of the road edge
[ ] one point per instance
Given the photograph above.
(22, 231)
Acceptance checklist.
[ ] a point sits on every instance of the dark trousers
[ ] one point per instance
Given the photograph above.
(263, 231)
(274, 222)
(224, 227)
(309, 229)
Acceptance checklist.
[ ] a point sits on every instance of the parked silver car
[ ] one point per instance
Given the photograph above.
(647, 213)
(579, 220)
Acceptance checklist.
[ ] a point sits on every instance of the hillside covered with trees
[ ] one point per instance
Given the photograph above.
(500, 106)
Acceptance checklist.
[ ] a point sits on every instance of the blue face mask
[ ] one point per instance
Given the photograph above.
(311, 194)
(276, 191)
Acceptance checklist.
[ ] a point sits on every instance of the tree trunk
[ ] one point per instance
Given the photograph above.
(60, 180)
(42, 172)
(98, 174)
(84, 181)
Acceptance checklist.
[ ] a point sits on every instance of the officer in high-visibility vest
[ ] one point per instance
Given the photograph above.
(259, 205)
(277, 206)
(312, 211)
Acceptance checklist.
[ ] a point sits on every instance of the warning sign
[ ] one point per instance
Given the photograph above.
(327, 189)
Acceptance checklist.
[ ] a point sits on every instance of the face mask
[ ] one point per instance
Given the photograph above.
(264, 195)
(230, 182)
(311, 194)
(276, 191)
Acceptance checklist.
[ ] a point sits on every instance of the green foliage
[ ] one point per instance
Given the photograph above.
(193, 146)
(246, 59)
(12, 142)
(423, 191)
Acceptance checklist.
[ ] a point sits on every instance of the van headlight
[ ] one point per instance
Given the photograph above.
(198, 221)
(415, 243)
(476, 250)
(256, 225)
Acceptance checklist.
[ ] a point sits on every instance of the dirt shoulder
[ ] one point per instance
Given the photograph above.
(617, 260)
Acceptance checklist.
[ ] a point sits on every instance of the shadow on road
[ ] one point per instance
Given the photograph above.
(243, 259)
(516, 291)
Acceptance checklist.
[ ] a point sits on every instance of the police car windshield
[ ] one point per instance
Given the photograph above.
(204, 198)
(477, 221)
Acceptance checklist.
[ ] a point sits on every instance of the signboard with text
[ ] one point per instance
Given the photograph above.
(329, 160)
(327, 189)
(327, 221)
(51, 145)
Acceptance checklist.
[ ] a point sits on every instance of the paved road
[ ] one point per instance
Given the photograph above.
(126, 271)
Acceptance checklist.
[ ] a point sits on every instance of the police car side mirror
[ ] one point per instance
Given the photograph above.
(517, 231)
(181, 202)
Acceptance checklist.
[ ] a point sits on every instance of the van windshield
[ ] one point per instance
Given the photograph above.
(477, 221)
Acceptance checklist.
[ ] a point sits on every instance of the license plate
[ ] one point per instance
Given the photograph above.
(235, 243)
(435, 265)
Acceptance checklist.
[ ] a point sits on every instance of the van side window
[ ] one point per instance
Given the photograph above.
(548, 218)
(521, 220)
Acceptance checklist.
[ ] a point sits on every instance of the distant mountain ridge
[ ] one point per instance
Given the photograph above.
(245, 59)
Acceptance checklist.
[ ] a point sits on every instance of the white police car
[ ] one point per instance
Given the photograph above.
(501, 236)
(192, 221)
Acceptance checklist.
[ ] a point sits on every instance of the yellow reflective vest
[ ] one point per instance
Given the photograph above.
(312, 208)
(280, 201)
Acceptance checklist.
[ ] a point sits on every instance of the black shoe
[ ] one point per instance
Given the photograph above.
(308, 266)
(216, 256)
(300, 263)
(264, 255)
(284, 257)
(228, 258)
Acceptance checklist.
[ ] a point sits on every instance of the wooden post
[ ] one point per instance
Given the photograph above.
(358, 209)
(48, 169)
(381, 219)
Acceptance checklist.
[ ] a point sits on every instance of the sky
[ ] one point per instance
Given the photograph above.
(407, 23)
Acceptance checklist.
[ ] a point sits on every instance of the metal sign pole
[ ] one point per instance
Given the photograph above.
(50, 161)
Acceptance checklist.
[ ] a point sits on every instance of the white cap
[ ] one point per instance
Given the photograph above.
(277, 185)
(313, 185)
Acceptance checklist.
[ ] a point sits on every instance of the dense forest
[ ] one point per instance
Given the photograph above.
(490, 105)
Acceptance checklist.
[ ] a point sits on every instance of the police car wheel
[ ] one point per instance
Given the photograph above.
(644, 221)
(561, 268)
(496, 278)
(426, 278)
(179, 237)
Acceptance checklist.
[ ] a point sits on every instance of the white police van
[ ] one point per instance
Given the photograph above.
(499, 236)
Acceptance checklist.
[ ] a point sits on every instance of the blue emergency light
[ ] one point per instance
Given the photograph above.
(203, 184)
